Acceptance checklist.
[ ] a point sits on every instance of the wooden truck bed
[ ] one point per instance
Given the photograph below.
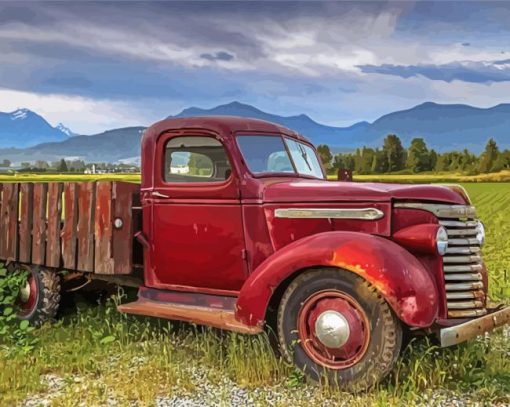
(79, 226)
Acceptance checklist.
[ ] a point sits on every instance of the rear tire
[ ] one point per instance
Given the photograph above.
(40, 300)
(336, 308)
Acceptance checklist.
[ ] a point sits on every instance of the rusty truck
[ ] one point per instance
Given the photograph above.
(236, 226)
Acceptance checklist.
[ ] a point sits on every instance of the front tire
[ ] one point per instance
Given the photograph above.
(335, 327)
(40, 299)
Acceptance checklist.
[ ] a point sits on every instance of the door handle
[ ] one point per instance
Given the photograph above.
(159, 195)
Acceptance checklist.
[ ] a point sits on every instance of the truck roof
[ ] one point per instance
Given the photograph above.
(226, 126)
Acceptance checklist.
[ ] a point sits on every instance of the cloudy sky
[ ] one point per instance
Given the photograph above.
(99, 65)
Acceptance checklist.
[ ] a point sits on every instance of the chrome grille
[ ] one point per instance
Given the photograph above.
(462, 265)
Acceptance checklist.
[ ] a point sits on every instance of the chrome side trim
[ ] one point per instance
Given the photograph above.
(326, 213)
(441, 211)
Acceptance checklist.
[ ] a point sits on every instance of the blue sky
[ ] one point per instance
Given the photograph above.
(100, 65)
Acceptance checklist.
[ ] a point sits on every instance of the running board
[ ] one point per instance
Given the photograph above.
(221, 318)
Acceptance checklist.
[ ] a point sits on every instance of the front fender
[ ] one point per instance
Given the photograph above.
(397, 275)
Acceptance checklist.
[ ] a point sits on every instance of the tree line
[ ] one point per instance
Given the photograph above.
(393, 157)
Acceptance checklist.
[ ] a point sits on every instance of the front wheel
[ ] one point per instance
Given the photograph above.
(335, 327)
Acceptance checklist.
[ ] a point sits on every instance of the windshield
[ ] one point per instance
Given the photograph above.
(270, 154)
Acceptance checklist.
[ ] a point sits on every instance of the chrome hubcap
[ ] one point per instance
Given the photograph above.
(24, 292)
(332, 329)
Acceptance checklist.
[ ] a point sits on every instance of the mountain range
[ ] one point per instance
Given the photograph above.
(24, 128)
(26, 136)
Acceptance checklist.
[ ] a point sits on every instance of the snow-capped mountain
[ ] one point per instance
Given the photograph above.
(66, 130)
(444, 128)
(24, 128)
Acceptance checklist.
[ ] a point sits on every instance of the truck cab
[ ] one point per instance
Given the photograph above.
(241, 230)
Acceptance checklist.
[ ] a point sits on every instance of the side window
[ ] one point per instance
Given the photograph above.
(195, 159)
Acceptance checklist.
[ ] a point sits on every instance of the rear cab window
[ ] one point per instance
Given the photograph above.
(195, 160)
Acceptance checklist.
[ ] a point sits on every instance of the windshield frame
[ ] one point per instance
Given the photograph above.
(283, 137)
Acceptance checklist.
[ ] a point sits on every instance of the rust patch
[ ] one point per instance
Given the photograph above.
(200, 315)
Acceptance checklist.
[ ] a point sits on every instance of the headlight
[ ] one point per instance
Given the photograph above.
(442, 240)
(480, 233)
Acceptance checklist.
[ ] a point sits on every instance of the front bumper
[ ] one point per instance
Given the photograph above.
(471, 329)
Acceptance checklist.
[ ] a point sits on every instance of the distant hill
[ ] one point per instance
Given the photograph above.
(24, 128)
(318, 133)
(444, 127)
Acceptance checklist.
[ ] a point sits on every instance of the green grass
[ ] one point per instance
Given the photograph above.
(26, 177)
(503, 176)
(103, 356)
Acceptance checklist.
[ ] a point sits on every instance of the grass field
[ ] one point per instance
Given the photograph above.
(95, 356)
(503, 176)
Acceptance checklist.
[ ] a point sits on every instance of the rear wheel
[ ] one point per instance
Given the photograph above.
(335, 327)
(39, 299)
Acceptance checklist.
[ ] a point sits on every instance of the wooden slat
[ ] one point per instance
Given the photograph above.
(9, 220)
(103, 229)
(123, 197)
(3, 225)
(68, 235)
(53, 252)
(85, 230)
(39, 223)
(25, 223)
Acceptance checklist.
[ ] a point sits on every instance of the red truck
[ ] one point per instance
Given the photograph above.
(235, 226)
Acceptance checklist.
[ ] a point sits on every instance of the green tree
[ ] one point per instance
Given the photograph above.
(379, 162)
(5, 163)
(62, 167)
(41, 165)
(489, 156)
(344, 161)
(394, 152)
(433, 159)
(367, 157)
(418, 156)
(325, 155)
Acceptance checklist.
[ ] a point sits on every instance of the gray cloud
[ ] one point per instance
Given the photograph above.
(475, 72)
(218, 56)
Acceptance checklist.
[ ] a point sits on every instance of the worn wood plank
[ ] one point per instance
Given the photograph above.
(3, 224)
(103, 229)
(9, 220)
(68, 234)
(25, 223)
(85, 229)
(53, 253)
(124, 195)
(39, 223)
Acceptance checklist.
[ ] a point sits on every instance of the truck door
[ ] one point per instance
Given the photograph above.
(197, 230)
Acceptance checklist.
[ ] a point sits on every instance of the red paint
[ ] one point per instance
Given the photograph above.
(418, 238)
(223, 238)
(25, 308)
(359, 327)
(403, 281)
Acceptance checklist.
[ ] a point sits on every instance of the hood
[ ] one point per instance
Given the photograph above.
(304, 190)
